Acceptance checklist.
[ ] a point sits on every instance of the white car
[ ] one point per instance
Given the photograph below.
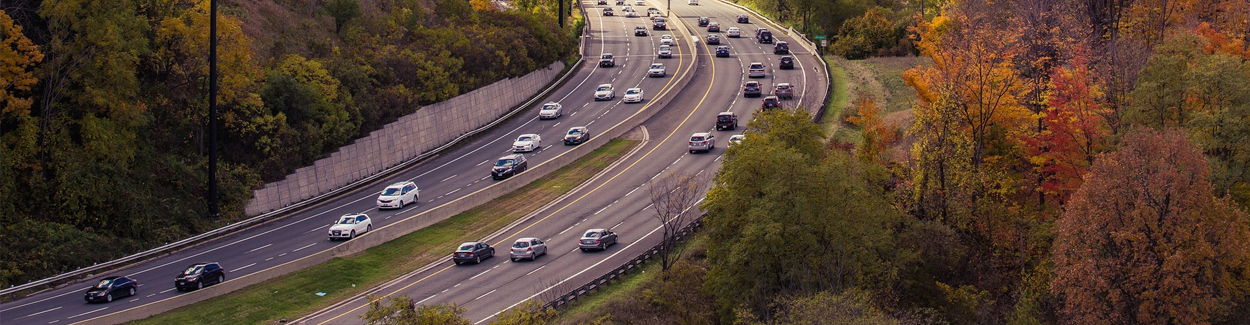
(527, 248)
(664, 52)
(349, 226)
(605, 92)
(550, 110)
(736, 139)
(398, 194)
(657, 70)
(693, 2)
(756, 70)
(734, 32)
(633, 95)
(640, 3)
(527, 142)
(630, 13)
(666, 39)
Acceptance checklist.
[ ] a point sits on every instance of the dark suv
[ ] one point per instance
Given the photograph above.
(110, 288)
(703, 21)
(764, 37)
(787, 63)
(781, 48)
(752, 89)
(726, 121)
(607, 60)
(509, 165)
(770, 102)
(200, 275)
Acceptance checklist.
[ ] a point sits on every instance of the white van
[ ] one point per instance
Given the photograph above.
(693, 2)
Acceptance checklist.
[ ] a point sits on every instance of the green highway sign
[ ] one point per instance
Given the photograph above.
(820, 36)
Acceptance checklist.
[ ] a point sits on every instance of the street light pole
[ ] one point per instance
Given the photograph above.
(560, 13)
(212, 110)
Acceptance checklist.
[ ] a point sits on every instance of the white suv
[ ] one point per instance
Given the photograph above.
(756, 70)
(398, 194)
(702, 141)
(527, 142)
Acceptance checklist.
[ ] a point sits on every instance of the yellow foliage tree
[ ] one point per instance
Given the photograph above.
(18, 57)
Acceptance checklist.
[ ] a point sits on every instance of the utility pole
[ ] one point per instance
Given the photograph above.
(560, 13)
(212, 110)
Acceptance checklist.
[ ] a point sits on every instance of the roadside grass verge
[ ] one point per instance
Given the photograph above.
(620, 297)
(837, 100)
(294, 295)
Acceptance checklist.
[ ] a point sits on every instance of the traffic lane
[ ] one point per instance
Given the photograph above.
(35, 304)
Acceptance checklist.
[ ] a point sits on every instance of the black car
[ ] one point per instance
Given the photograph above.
(722, 51)
(603, 2)
(640, 31)
(608, 12)
(509, 165)
(713, 39)
(703, 21)
(744, 19)
(200, 275)
(781, 48)
(110, 288)
(771, 102)
(752, 89)
(726, 121)
(472, 252)
(713, 27)
(577, 135)
(787, 63)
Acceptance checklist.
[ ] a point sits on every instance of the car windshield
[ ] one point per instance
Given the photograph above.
(391, 191)
(194, 269)
(466, 247)
(603, 88)
(592, 234)
(525, 138)
(657, 66)
(104, 283)
(575, 132)
(783, 87)
(607, 56)
(696, 138)
(521, 244)
(632, 92)
(724, 118)
(503, 163)
(549, 107)
(347, 221)
(664, 48)
(756, 66)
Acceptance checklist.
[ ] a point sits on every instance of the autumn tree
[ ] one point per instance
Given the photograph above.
(343, 11)
(527, 313)
(1073, 131)
(875, 136)
(18, 129)
(1145, 241)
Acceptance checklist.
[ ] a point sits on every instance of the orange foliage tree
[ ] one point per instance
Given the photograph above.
(1145, 241)
(875, 136)
(1073, 133)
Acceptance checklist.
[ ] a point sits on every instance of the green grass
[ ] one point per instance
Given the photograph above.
(293, 295)
(837, 100)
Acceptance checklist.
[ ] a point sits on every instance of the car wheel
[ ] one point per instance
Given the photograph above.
(369, 228)
(353, 235)
(108, 297)
(583, 249)
(513, 259)
(455, 261)
(221, 278)
(199, 285)
(132, 292)
(477, 260)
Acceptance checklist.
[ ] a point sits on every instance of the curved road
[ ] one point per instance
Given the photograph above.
(441, 179)
(619, 198)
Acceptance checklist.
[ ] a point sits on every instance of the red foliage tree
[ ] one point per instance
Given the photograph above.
(1073, 131)
(1144, 241)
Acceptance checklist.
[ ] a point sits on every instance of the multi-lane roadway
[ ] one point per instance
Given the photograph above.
(617, 200)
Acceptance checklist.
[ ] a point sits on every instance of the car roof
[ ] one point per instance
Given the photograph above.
(512, 156)
(601, 85)
(701, 134)
(469, 243)
(783, 84)
(526, 238)
(753, 82)
(595, 230)
(634, 89)
(725, 113)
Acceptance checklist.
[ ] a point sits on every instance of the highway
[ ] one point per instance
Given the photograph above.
(443, 178)
(618, 199)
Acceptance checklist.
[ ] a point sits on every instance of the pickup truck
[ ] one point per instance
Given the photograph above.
(607, 60)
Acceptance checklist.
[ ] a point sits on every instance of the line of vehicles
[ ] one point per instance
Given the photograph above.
(530, 248)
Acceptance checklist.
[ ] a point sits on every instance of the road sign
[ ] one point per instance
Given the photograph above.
(823, 44)
(820, 36)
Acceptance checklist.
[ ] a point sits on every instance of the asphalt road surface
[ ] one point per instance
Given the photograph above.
(619, 199)
(441, 179)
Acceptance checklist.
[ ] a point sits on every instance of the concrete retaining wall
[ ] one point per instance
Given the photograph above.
(413, 134)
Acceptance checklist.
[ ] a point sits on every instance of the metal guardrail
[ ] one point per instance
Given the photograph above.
(620, 271)
(86, 272)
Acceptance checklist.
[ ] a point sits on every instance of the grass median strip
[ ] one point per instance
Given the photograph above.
(293, 295)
